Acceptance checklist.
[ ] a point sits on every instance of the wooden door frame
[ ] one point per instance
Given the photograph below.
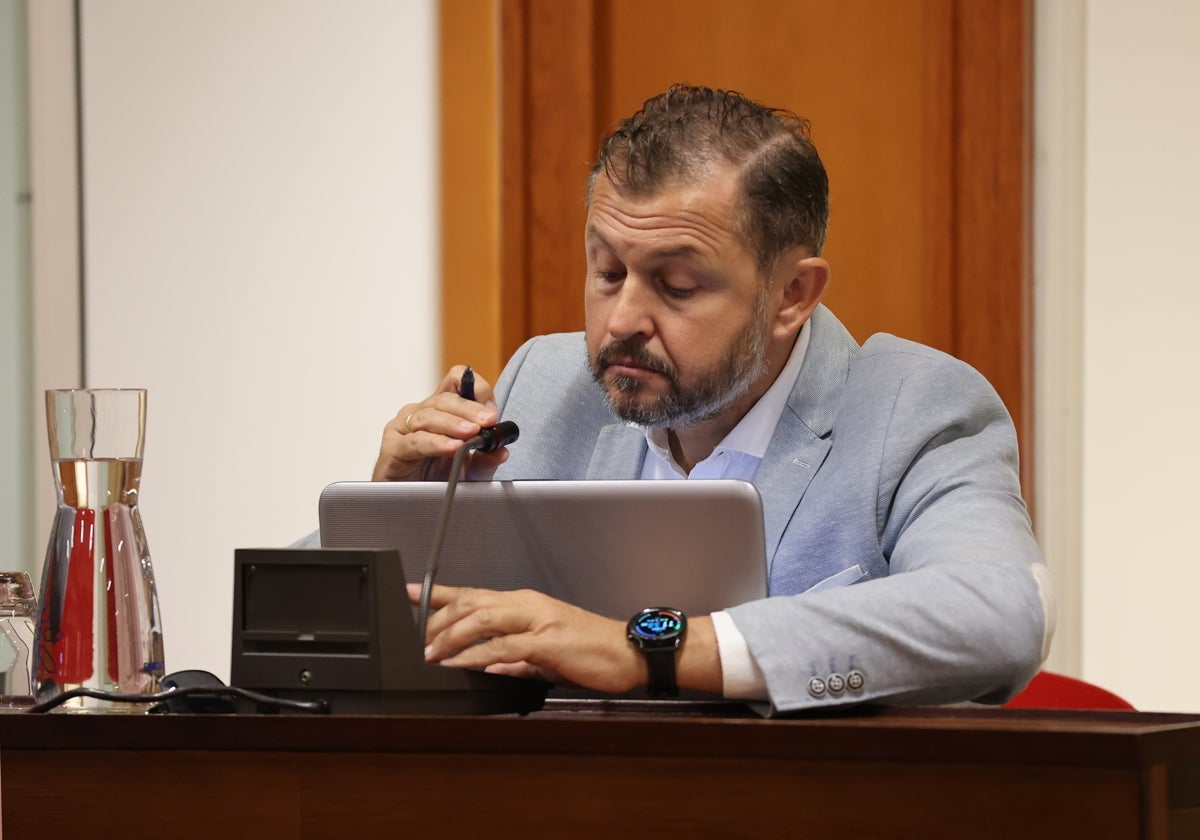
(524, 74)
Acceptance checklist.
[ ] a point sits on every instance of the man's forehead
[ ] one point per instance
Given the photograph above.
(684, 221)
(712, 199)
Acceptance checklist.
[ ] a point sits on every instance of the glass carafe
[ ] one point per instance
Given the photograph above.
(99, 625)
(17, 610)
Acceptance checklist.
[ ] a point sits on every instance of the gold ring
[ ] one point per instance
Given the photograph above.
(408, 422)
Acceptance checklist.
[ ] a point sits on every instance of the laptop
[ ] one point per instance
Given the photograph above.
(611, 547)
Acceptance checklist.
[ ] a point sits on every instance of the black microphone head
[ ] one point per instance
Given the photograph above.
(502, 434)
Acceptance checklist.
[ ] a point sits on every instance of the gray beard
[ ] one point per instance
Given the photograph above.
(742, 364)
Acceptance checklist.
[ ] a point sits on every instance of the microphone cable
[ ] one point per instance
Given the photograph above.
(502, 434)
(320, 706)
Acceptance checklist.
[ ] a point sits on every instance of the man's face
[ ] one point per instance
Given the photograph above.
(676, 311)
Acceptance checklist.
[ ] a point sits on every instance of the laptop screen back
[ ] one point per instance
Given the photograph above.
(611, 547)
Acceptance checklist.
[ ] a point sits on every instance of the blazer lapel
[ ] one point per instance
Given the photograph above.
(802, 439)
(792, 459)
(620, 450)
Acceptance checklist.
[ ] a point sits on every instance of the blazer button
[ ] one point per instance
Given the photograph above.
(855, 680)
(816, 687)
(837, 683)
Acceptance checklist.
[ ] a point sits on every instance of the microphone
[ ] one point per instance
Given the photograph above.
(492, 438)
(488, 440)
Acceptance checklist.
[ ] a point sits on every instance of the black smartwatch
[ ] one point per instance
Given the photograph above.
(658, 632)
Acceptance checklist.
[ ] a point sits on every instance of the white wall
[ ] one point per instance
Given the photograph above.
(260, 253)
(55, 337)
(1058, 138)
(1141, 437)
(16, 459)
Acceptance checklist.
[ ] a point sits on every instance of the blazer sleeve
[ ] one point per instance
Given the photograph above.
(964, 611)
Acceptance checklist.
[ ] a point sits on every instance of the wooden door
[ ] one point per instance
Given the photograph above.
(920, 110)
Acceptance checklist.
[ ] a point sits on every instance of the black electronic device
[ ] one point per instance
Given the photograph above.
(199, 692)
(337, 625)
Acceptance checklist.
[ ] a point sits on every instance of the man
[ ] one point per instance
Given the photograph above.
(707, 354)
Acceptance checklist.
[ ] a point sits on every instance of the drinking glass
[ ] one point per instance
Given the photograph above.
(99, 624)
(17, 610)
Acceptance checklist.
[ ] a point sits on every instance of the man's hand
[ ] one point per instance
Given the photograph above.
(526, 633)
(419, 442)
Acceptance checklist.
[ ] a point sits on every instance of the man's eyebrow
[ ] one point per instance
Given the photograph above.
(677, 251)
(591, 233)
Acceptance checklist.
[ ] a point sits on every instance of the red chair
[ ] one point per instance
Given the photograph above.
(1048, 690)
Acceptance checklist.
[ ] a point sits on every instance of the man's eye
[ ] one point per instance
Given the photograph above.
(677, 292)
(610, 276)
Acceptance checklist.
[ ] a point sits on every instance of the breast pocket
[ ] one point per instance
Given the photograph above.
(843, 578)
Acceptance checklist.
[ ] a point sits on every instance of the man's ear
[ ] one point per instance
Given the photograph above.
(803, 281)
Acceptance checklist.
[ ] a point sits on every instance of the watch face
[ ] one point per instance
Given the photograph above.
(657, 624)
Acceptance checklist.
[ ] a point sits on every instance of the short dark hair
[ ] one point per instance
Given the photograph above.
(679, 133)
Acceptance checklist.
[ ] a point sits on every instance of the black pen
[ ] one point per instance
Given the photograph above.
(466, 385)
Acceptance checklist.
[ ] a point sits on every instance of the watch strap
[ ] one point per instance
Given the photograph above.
(660, 663)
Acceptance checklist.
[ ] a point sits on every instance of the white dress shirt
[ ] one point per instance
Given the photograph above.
(737, 456)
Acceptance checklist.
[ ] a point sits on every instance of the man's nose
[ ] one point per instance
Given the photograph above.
(632, 311)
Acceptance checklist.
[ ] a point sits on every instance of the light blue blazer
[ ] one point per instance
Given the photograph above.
(894, 469)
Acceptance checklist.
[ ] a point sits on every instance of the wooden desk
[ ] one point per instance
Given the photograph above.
(881, 774)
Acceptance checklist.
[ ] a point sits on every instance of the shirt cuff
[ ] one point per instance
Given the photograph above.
(741, 677)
